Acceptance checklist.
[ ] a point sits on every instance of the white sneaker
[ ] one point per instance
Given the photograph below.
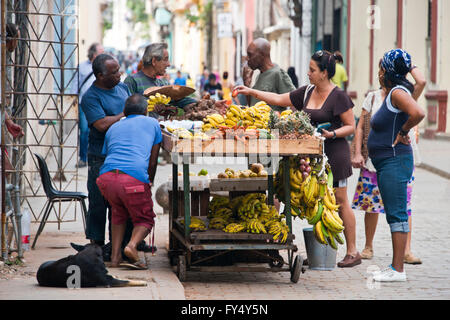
(389, 275)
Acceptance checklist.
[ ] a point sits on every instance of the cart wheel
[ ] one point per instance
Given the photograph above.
(276, 263)
(296, 269)
(181, 268)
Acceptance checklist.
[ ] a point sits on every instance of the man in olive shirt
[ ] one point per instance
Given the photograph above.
(272, 78)
(155, 62)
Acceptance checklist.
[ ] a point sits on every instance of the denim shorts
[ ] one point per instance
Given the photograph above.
(393, 175)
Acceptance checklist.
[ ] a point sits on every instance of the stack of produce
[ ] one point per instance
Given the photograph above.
(312, 197)
(238, 133)
(256, 170)
(248, 213)
(291, 125)
(182, 133)
(213, 121)
(199, 110)
(159, 103)
(254, 117)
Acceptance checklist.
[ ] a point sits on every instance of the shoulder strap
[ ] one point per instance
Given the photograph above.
(84, 82)
(308, 89)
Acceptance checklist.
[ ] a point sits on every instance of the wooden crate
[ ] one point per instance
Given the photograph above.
(234, 148)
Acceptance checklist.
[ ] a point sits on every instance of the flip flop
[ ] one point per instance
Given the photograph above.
(134, 266)
(130, 254)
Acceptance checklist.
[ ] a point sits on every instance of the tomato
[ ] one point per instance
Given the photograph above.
(235, 93)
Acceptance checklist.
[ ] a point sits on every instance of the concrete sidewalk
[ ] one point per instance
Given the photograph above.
(435, 156)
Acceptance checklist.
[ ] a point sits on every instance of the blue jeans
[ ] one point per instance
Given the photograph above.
(84, 134)
(393, 175)
(98, 206)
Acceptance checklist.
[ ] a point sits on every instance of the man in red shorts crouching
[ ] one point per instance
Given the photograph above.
(131, 148)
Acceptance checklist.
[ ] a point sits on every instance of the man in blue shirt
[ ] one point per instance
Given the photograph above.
(180, 80)
(84, 81)
(102, 104)
(131, 148)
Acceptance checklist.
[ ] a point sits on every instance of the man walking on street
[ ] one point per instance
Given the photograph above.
(272, 78)
(131, 148)
(85, 79)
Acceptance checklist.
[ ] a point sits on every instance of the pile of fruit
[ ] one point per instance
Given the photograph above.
(255, 117)
(182, 133)
(291, 125)
(256, 170)
(249, 213)
(312, 197)
(159, 103)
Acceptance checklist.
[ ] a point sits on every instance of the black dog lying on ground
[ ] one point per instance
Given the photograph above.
(87, 265)
(106, 249)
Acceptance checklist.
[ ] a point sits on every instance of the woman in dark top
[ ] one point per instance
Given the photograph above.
(325, 102)
(390, 150)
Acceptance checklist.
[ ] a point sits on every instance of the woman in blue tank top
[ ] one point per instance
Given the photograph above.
(390, 151)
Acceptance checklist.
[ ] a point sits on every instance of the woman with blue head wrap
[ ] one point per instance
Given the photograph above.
(390, 150)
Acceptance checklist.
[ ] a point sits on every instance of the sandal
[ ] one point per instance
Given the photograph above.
(367, 253)
(134, 266)
(411, 259)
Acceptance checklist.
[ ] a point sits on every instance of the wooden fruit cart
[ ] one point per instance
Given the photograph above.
(189, 250)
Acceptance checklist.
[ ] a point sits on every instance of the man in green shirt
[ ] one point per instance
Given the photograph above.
(272, 78)
(155, 62)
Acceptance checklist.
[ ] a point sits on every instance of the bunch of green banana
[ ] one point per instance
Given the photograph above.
(255, 226)
(252, 205)
(157, 99)
(296, 182)
(216, 203)
(213, 121)
(234, 227)
(197, 224)
(267, 216)
(219, 223)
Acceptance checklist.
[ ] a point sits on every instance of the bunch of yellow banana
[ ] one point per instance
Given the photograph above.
(285, 113)
(255, 226)
(234, 115)
(183, 133)
(234, 227)
(327, 236)
(201, 136)
(197, 224)
(272, 214)
(157, 99)
(253, 204)
(278, 228)
(218, 223)
(213, 121)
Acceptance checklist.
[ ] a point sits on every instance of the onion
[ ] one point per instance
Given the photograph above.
(308, 169)
(302, 167)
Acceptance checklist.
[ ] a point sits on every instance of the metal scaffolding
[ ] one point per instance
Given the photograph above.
(41, 94)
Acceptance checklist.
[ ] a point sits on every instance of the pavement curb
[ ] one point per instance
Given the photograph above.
(437, 171)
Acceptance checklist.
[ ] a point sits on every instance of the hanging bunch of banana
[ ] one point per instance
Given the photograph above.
(312, 197)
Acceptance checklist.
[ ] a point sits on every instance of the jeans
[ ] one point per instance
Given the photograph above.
(96, 216)
(393, 175)
(84, 134)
